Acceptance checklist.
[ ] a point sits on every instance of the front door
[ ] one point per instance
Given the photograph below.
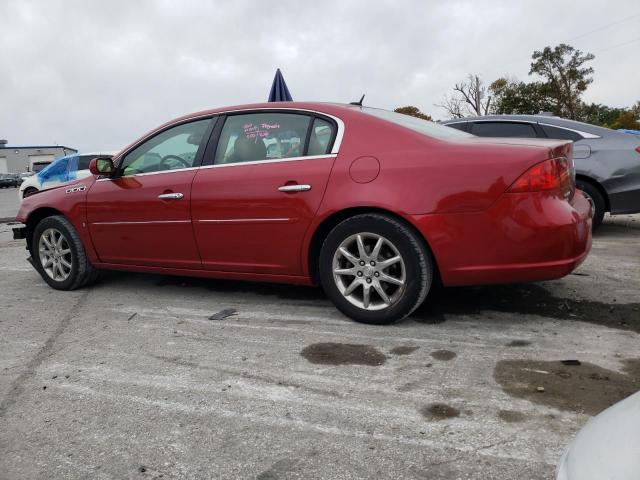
(252, 207)
(141, 216)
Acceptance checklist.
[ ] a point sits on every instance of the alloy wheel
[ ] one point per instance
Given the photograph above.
(369, 271)
(55, 254)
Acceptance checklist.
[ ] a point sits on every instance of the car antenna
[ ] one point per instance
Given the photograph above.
(358, 103)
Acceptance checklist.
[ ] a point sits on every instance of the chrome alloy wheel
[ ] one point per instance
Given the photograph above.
(55, 254)
(369, 271)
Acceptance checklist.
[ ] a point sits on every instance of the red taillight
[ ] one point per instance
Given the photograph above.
(638, 149)
(552, 174)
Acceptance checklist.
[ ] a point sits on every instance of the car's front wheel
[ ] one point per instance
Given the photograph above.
(375, 269)
(59, 256)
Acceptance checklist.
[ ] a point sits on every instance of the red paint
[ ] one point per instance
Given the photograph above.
(364, 169)
(455, 193)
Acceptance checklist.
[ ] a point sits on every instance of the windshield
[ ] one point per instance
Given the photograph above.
(430, 129)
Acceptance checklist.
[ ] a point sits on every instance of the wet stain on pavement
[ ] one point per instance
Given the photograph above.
(176, 361)
(518, 343)
(526, 300)
(283, 468)
(439, 411)
(584, 388)
(511, 416)
(444, 355)
(403, 350)
(343, 354)
(222, 314)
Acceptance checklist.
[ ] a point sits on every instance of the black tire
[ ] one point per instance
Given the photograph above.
(29, 191)
(417, 264)
(597, 201)
(82, 272)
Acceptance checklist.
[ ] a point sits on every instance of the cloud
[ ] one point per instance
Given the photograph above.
(94, 75)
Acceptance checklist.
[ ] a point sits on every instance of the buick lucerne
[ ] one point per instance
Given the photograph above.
(374, 206)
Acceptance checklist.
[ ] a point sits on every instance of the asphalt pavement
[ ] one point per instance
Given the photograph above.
(145, 376)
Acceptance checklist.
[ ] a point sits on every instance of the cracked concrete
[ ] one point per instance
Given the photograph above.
(141, 384)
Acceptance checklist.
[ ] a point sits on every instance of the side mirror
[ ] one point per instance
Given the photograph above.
(101, 166)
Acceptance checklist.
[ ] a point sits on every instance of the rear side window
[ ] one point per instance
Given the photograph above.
(503, 129)
(560, 133)
(320, 139)
(264, 136)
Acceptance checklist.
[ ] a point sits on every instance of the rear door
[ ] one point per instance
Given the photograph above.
(253, 204)
(142, 215)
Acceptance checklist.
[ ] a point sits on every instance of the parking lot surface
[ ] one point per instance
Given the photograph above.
(144, 376)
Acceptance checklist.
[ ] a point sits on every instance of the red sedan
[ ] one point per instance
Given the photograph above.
(373, 205)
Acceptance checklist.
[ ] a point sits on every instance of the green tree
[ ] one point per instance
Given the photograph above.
(565, 74)
(598, 114)
(627, 119)
(414, 112)
(514, 97)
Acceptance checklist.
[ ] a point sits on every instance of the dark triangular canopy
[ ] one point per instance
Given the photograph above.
(279, 91)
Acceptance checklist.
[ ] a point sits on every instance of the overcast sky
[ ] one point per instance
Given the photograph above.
(98, 74)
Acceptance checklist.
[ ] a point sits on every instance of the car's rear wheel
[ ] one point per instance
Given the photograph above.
(596, 200)
(29, 191)
(375, 269)
(59, 256)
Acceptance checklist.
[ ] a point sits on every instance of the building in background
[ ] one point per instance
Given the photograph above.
(29, 158)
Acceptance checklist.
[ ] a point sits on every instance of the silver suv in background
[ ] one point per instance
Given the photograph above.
(607, 162)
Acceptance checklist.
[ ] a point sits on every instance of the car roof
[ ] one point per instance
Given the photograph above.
(544, 119)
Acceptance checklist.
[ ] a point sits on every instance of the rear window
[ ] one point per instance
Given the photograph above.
(430, 129)
(560, 133)
(503, 129)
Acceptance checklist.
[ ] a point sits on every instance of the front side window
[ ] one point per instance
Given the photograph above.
(172, 149)
(503, 129)
(262, 136)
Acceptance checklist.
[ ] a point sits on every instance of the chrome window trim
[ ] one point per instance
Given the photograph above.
(334, 150)
(273, 160)
(339, 134)
(579, 132)
(530, 122)
(224, 165)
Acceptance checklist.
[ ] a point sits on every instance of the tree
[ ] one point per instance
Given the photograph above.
(598, 114)
(470, 97)
(414, 112)
(627, 119)
(565, 76)
(513, 97)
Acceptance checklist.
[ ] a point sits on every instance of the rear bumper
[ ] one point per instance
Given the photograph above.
(521, 238)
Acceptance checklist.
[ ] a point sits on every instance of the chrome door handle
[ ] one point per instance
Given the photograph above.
(170, 196)
(294, 188)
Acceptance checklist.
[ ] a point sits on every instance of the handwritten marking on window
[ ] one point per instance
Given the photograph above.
(253, 132)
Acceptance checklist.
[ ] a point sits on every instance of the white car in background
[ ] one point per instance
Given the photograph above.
(61, 171)
(607, 447)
